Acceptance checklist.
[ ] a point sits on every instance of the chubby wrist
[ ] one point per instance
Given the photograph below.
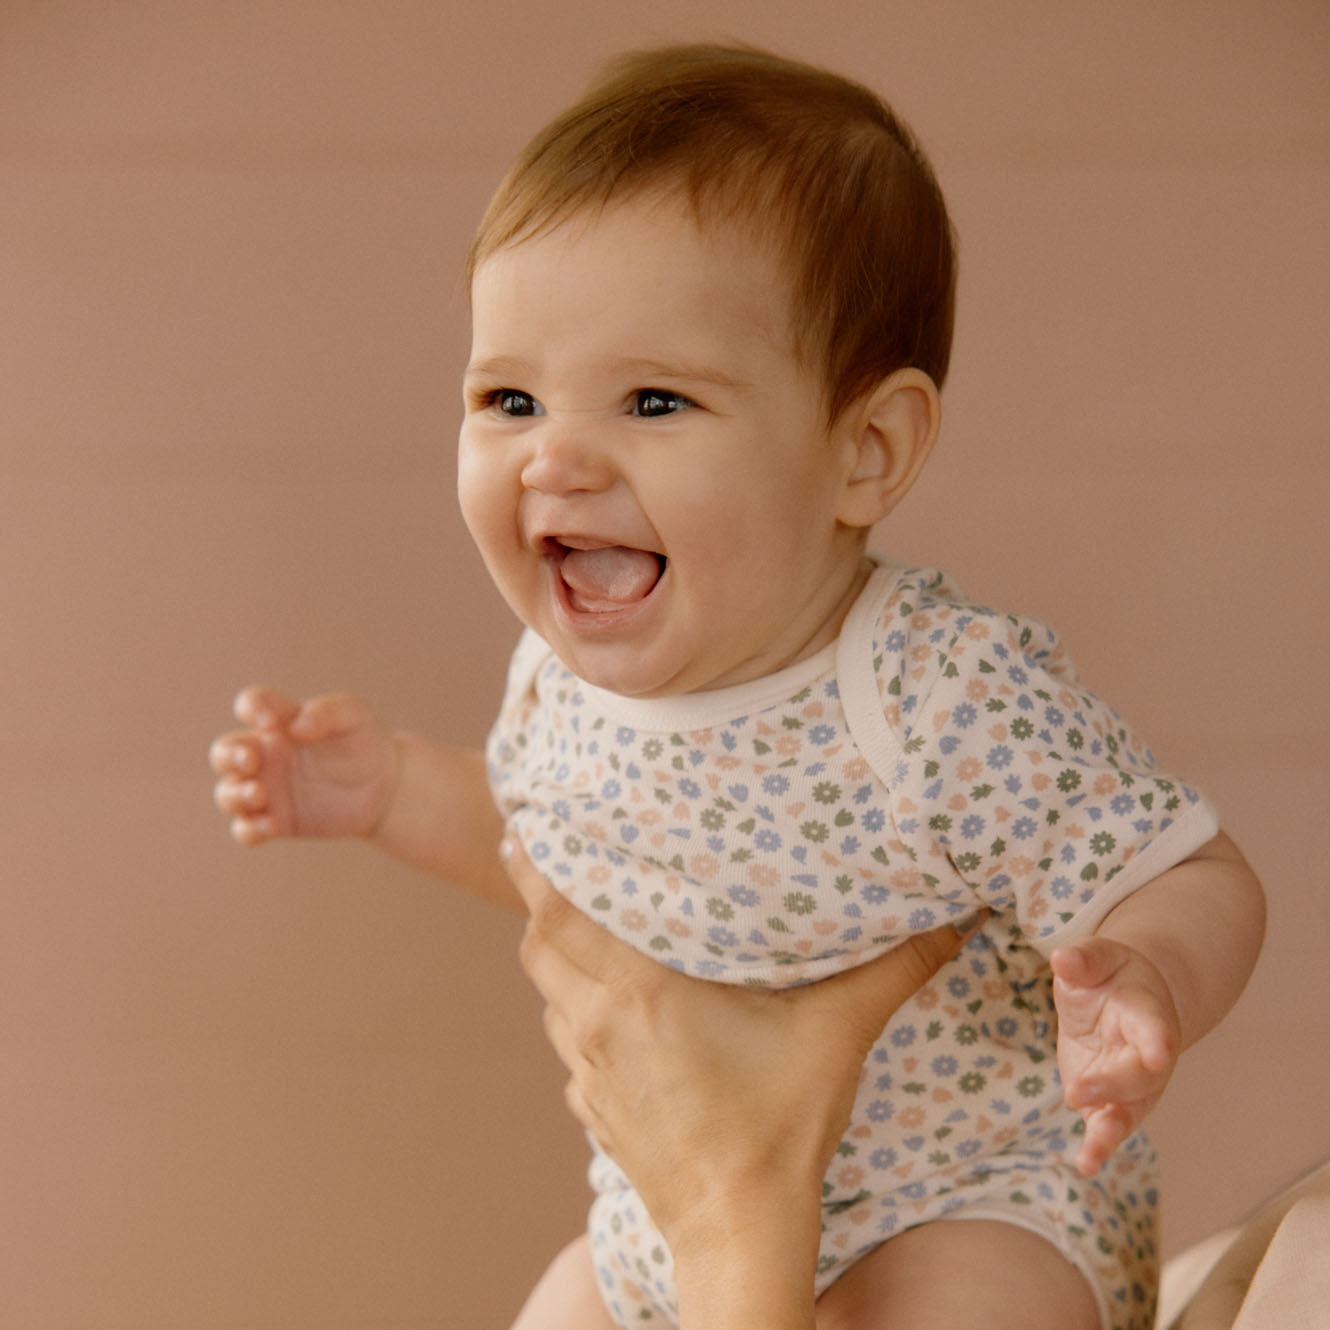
(385, 830)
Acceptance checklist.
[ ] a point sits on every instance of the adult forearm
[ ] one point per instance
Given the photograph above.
(1201, 924)
(441, 818)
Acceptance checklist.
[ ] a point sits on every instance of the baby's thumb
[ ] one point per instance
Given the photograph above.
(329, 715)
(1087, 964)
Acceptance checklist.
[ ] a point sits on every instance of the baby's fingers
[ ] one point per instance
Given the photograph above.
(1105, 1129)
(1117, 1076)
(265, 708)
(245, 802)
(236, 754)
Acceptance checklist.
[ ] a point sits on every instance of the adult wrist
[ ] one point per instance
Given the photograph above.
(749, 1266)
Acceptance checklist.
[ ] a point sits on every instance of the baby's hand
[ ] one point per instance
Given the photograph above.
(1118, 1041)
(318, 768)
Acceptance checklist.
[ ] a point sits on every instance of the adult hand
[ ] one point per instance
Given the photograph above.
(713, 1099)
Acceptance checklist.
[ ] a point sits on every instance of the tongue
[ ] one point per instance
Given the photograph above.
(608, 579)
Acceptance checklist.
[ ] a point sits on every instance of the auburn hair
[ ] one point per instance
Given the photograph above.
(813, 163)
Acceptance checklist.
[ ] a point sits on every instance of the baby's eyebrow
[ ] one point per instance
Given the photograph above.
(642, 371)
(649, 371)
(497, 367)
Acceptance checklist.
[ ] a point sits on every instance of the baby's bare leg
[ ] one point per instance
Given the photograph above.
(961, 1273)
(566, 1297)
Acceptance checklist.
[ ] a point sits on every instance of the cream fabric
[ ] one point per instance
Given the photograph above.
(1271, 1273)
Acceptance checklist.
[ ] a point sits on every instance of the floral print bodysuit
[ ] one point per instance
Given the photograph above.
(940, 758)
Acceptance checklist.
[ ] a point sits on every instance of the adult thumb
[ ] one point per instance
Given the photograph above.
(874, 991)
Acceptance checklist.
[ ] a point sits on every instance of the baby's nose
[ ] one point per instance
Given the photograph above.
(564, 460)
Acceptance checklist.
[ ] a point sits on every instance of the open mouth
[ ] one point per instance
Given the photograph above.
(603, 579)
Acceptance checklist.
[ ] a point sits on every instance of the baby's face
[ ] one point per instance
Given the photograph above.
(645, 463)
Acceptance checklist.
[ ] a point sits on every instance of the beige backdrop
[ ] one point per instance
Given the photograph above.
(303, 1088)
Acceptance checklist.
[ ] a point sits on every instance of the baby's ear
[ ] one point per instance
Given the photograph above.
(889, 435)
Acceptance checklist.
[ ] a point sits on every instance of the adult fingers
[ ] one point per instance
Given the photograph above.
(559, 927)
(545, 952)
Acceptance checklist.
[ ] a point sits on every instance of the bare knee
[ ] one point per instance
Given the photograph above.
(961, 1273)
(566, 1298)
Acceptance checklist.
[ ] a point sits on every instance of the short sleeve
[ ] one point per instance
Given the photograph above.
(508, 735)
(1013, 778)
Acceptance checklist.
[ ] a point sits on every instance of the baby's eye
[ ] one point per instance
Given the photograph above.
(514, 402)
(659, 402)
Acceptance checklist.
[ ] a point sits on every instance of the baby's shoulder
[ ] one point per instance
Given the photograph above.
(927, 643)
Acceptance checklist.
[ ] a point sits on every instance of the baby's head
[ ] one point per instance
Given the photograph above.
(711, 304)
(814, 166)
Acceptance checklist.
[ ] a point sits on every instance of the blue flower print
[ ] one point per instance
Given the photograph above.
(767, 840)
(883, 1158)
(822, 735)
(873, 820)
(775, 785)
(743, 896)
(963, 716)
(880, 1110)
(999, 756)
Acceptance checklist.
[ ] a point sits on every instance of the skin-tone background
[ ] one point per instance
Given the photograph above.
(305, 1088)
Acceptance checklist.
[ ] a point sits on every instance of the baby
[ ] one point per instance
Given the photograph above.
(712, 308)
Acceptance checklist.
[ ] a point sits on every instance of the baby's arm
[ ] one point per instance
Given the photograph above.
(1162, 970)
(326, 767)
